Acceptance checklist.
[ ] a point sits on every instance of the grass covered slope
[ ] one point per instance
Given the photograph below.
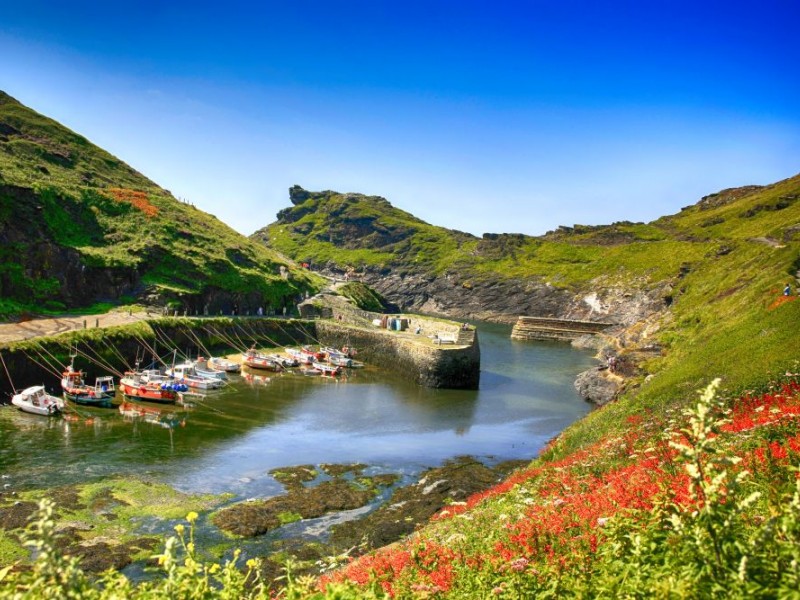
(358, 231)
(68, 207)
(363, 232)
(724, 262)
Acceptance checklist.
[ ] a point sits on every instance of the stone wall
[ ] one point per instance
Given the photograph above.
(40, 360)
(454, 366)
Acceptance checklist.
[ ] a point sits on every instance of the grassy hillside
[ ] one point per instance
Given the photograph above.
(658, 494)
(68, 206)
(726, 258)
(353, 230)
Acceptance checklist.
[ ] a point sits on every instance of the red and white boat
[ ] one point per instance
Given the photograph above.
(257, 360)
(137, 384)
(327, 370)
(306, 355)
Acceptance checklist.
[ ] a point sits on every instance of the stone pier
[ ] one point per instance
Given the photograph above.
(453, 365)
(544, 328)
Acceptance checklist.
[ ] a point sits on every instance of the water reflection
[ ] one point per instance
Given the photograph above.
(135, 412)
(229, 440)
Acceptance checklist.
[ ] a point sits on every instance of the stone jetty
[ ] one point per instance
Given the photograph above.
(544, 328)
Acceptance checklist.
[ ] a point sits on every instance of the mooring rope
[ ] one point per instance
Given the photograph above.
(11, 381)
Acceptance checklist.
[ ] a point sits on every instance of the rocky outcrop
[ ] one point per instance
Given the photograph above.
(451, 295)
(598, 386)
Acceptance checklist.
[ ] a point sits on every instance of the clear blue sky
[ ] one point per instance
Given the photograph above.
(481, 116)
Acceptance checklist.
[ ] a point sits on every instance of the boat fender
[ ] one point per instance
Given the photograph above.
(142, 390)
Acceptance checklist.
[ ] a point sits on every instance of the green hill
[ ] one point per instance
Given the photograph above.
(713, 272)
(368, 233)
(79, 226)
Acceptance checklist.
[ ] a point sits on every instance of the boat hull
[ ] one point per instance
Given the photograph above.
(148, 393)
(89, 398)
(262, 365)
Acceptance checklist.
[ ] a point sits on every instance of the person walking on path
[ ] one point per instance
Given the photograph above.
(787, 291)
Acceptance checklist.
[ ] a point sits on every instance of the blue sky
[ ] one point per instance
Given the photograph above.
(479, 116)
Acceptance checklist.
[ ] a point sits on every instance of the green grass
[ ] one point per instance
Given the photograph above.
(366, 231)
(363, 296)
(57, 193)
(10, 549)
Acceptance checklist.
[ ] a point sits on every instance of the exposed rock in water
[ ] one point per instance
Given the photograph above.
(103, 554)
(252, 518)
(415, 504)
(16, 515)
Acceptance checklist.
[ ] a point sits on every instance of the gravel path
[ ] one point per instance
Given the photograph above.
(14, 332)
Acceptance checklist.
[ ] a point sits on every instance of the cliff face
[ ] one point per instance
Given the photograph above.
(36, 266)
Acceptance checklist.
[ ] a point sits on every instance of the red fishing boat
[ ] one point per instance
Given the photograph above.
(138, 384)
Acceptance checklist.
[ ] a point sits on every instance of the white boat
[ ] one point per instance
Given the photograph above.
(185, 373)
(287, 362)
(300, 356)
(340, 360)
(223, 364)
(37, 401)
(204, 369)
(327, 370)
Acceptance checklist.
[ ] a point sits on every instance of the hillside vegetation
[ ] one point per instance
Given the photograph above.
(723, 262)
(78, 226)
(367, 232)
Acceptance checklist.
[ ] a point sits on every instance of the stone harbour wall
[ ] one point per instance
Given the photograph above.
(435, 366)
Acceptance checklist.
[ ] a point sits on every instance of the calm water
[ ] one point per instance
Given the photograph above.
(229, 440)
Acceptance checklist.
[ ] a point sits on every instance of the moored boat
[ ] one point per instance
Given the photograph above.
(76, 390)
(287, 362)
(205, 369)
(256, 360)
(339, 360)
(144, 386)
(37, 401)
(223, 364)
(186, 373)
(327, 370)
(313, 354)
(301, 357)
